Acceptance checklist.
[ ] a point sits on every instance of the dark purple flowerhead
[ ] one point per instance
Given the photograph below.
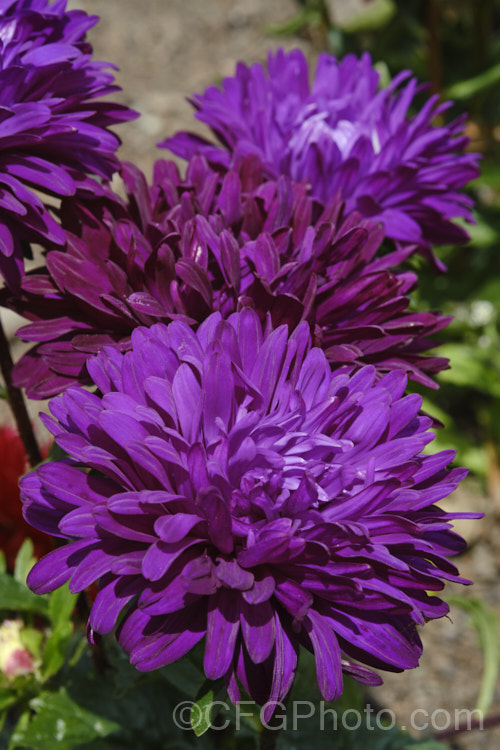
(52, 131)
(182, 249)
(347, 137)
(244, 494)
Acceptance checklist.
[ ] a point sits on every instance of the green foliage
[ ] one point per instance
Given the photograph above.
(58, 722)
(357, 17)
(471, 365)
(61, 605)
(55, 650)
(310, 15)
(187, 675)
(24, 561)
(203, 709)
(56, 453)
(468, 401)
(472, 86)
(14, 596)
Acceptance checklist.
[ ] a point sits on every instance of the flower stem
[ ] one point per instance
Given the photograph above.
(17, 402)
(488, 722)
(268, 739)
(101, 662)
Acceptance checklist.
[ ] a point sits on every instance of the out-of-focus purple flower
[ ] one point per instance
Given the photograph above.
(346, 137)
(184, 248)
(53, 132)
(244, 493)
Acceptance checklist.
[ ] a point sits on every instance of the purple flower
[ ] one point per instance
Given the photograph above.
(185, 248)
(346, 137)
(52, 132)
(243, 493)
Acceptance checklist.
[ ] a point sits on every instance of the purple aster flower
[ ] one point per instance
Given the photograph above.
(52, 131)
(184, 248)
(345, 136)
(244, 493)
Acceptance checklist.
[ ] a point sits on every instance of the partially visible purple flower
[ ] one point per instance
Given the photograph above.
(244, 494)
(346, 137)
(52, 131)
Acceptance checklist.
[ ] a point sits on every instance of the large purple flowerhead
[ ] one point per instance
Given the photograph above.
(345, 136)
(244, 494)
(52, 132)
(183, 248)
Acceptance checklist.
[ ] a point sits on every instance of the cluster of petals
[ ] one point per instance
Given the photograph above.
(53, 132)
(243, 493)
(181, 249)
(346, 136)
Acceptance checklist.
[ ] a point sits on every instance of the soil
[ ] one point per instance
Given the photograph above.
(167, 49)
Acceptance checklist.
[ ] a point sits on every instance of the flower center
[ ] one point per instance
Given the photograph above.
(315, 129)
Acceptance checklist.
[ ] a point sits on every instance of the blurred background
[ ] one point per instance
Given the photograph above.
(168, 49)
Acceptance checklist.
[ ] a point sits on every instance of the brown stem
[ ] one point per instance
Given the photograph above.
(487, 723)
(17, 403)
(101, 662)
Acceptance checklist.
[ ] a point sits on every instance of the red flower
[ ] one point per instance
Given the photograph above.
(13, 528)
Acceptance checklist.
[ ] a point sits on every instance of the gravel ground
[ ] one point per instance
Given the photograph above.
(167, 49)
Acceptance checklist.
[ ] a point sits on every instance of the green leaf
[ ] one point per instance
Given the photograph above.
(489, 291)
(3, 393)
(355, 16)
(481, 234)
(22, 724)
(472, 86)
(472, 367)
(61, 605)
(17, 596)
(56, 453)
(24, 561)
(185, 676)
(7, 698)
(485, 621)
(203, 710)
(32, 638)
(56, 648)
(308, 16)
(490, 176)
(384, 73)
(59, 723)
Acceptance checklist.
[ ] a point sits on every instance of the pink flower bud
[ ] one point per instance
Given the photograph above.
(15, 659)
